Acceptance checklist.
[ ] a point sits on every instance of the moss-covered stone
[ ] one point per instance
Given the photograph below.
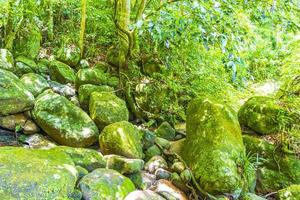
(66, 123)
(85, 91)
(251, 196)
(61, 72)
(28, 42)
(290, 193)
(36, 141)
(290, 88)
(43, 67)
(105, 184)
(28, 62)
(121, 138)
(265, 115)
(87, 158)
(14, 97)
(11, 122)
(94, 76)
(166, 131)
(214, 147)
(155, 163)
(124, 165)
(153, 150)
(277, 169)
(21, 68)
(69, 54)
(144, 195)
(106, 108)
(34, 83)
(6, 60)
(36, 174)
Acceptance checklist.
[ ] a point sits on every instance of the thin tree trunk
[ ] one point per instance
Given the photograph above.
(83, 24)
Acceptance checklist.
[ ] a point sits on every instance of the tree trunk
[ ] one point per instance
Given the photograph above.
(82, 28)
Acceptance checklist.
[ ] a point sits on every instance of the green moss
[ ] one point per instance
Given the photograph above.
(290, 193)
(6, 60)
(251, 196)
(61, 72)
(28, 41)
(69, 54)
(34, 83)
(106, 108)
(166, 131)
(264, 115)
(214, 148)
(276, 169)
(105, 184)
(94, 76)
(14, 97)
(66, 123)
(87, 158)
(121, 138)
(85, 91)
(290, 88)
(35, 174)
(124, 165)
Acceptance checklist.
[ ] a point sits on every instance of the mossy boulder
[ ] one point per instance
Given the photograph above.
(43, 67)
(85, 91)
(277, 169)
(290, 193)
(290, 88)
(64, 122)
(121, 138)
(36, 174)
(124, 165)
(266, 115)
(106, 108)
(88, 159)
(69, 54)
(105, 184)
(61, 72)
(28, 42)
(34, 83)
(94, 76)
(6, 60)
(14, 98)
(166, 131)
(214, 147)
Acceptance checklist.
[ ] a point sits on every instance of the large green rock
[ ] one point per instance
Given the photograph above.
(28, 42)
(89, 159)
(61, 72)
(36, 174)
(121, 138)
(66, 123)
(266, 115)
(6, 60)
(69, 54)
(105, 184)
(276, 169)
(34, 83)
(106, 108)
(14, 97)
(290, 193)
(94, 76)
(214, 147)
(85, 91)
